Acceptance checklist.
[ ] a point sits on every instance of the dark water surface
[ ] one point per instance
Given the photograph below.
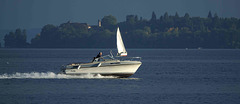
(165, 77)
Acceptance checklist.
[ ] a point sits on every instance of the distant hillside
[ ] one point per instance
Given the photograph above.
(31, 33)
(2, 34)
(167, 31)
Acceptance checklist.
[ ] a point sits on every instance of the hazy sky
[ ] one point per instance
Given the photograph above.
(28, 14)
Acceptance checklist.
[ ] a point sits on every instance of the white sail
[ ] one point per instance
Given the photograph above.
(120, 46)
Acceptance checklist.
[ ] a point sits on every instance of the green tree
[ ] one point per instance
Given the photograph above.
(130, 19)
(208, 21)
(186, 16)
(147, 30)
(136, 18)
(154, 17)
(210, 15)
(35, 42)
(169, 31)
(165, 17)
(216, 22)
(109, 22)
(187, 21)
(176, 15)
(16, 40)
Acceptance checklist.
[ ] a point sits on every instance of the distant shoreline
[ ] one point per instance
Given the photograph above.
(131, 48)
(168, 31)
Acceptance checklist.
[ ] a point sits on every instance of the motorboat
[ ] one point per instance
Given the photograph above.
(119, 66)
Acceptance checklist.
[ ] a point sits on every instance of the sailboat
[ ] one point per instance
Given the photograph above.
(119, 66)
(120, 46)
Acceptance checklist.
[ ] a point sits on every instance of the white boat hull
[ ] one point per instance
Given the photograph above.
(124, 69)
(107, 65)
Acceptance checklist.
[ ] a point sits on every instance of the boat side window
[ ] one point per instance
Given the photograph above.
(72, 67)
(75, 67)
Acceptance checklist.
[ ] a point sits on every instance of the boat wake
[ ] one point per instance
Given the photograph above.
(50, 75)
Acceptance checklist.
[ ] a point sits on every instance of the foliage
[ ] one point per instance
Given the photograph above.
(183, 32)
(167, 31)
(16, 40)
(109, 22)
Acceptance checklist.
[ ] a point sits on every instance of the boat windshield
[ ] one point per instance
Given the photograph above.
(107, 57)
(104, 58)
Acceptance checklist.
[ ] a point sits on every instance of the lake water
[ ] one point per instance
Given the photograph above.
(167, 76)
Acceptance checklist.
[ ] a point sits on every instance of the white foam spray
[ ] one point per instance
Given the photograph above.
(50, 75)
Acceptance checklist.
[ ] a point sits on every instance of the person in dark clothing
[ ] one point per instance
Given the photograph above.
(98, 56)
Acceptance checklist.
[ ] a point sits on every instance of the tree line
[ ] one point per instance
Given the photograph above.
(166, 31)
(16, 39)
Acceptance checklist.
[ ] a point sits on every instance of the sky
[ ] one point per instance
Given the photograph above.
(27, 14)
